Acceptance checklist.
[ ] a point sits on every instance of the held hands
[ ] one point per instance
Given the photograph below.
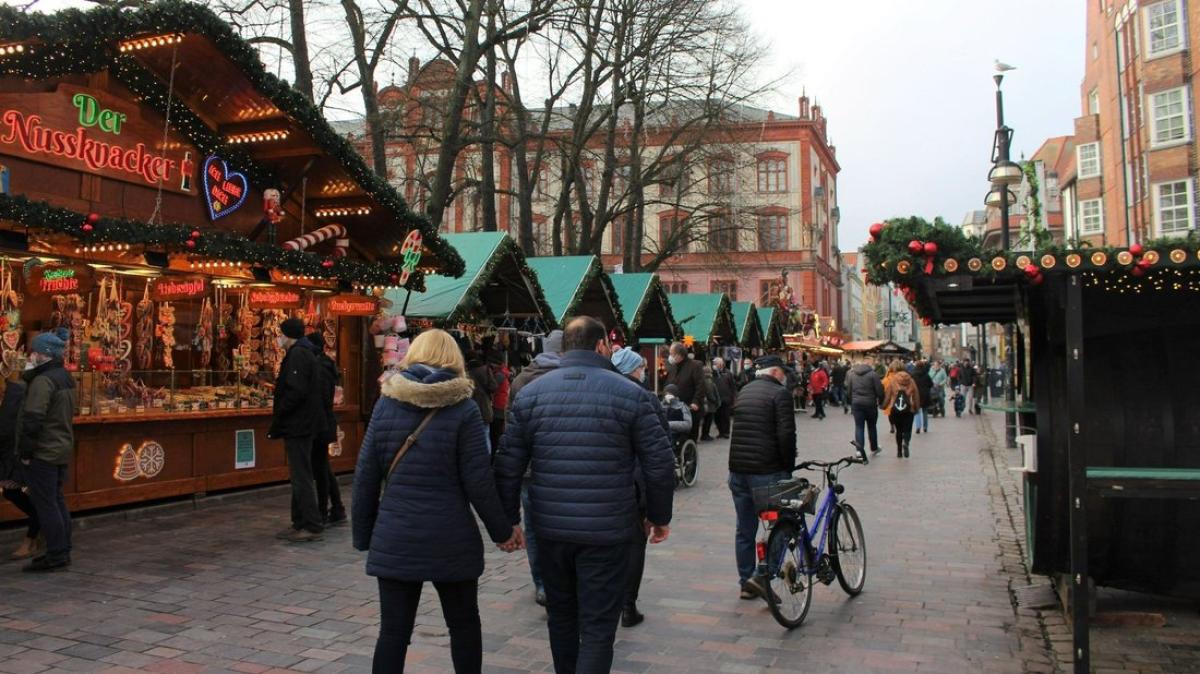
(515, 542)
(656, 533)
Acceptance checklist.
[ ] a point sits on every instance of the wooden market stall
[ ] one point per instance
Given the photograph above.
(578, 286)
(746, 325)
(876, 347)
(770, 323)
(1106, 368)
(170, 202)
(646, 308)
(706, 319)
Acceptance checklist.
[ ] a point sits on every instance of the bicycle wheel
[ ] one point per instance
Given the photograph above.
(789, 580)
(689, 463)
(848, 549)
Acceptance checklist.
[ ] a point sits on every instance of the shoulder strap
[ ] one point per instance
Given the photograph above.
(409, 442)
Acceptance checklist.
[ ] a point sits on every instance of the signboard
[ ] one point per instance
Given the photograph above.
(224, 190)
(275, 298)
(352, 305)
(243, 449)
(174, 288)
(61, 279)
(410, 251)
(92, 131)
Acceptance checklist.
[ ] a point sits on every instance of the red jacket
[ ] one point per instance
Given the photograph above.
(818, 381)
(500, 397)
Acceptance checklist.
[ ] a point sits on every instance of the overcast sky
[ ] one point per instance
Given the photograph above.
(908, 92)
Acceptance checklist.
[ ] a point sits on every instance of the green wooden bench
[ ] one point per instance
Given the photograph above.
(1112, 482)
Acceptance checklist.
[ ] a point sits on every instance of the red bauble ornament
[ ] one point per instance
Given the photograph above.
(876, 230)
(1143, 264)
(195, 234)
(1136, 250)
(1031, 270)
(87, 228)
(190, 243)
(1037, 280)
(395, 278)
(931, 248)
(915, 247)
(328, 264)
(1137, 271)
(93, 218)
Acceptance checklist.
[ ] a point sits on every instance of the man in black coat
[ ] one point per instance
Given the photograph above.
(585, 429)
(297, 419)
(726, 394)
(687, 375)
(762, 452)
(329, 493)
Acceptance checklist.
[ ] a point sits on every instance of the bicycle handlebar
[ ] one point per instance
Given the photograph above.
(844, 461)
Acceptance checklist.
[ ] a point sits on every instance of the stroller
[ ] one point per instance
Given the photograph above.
(960, 402)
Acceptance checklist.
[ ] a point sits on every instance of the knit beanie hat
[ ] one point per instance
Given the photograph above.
(51, 343)
(626, 360)
(292, 328)
(552, 343)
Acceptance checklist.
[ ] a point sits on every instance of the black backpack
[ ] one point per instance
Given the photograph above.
(901, 403)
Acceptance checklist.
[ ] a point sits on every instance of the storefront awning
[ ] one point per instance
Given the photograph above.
(705, 317)
(646, 307)
(498, 286)
(877, 346)
(745, 321)
(577, 286)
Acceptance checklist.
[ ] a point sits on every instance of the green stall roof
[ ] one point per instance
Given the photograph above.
(770, 323)
(577, 286)
(497, 283)
(745, 324)
(647, 308)
(704, 316)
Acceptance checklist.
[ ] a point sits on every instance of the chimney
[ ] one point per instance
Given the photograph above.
(804, 106)
(414, 64)
(770, 115)
(816, 112)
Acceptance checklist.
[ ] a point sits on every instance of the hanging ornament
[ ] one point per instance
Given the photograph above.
(93, 218)
(87, 228)
(195, 234)
(328, 264)
(226, 189)
(1137, 250)
(930, 249)
(876, 231)
(915, 247)
(1137, 271)
(272, 208)
(1031, 270)
(1143, 264)
(190, 243)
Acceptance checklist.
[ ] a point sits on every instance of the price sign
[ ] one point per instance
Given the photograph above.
(275, 298)
(352, 305)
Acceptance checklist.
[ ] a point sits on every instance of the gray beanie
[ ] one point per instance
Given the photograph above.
(552, 343)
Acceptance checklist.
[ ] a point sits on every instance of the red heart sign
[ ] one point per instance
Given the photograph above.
(224, 190)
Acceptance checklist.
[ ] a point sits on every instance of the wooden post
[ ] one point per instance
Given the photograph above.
(1077, 477)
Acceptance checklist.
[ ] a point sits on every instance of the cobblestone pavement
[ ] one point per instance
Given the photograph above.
(211, 590)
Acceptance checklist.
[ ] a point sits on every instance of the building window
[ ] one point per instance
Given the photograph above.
(672, 233)
(720, 176)
(1173, 207)
(722, 235)
(727, 287)
(1169, 121)
(1088, 159)
(1091, 216)
(1163, 28)
(676, 287)
(1094, 102)
(772, 232)
(543, 182)
(765, 296)
(772, 174)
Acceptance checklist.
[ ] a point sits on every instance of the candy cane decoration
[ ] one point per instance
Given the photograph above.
(336, 232)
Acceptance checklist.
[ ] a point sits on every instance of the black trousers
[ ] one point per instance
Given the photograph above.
(585, 588)
(305, 513)
(819, 405)
(697, 420)
(329, 492)
(46, 493)
(23, 503)
(398, 602)
(496, 430)
(903, 421)
(637, 568)
(721, 416)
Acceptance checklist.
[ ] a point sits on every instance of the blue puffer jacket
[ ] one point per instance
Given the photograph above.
(581, 427)
(423, 529)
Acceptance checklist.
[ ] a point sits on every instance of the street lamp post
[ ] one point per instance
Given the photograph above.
(1005, 173)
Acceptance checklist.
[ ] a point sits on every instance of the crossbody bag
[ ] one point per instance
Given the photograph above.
(408, 443)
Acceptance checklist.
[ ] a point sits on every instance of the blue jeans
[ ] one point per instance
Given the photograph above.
(921, 420)
(585, 588)
(46, 493)
(742, 486)
(531, 548)
(866, 415)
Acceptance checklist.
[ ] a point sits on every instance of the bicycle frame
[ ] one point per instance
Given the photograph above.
(820, 524)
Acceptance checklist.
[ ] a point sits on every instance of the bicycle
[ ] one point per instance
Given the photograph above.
(793, 555)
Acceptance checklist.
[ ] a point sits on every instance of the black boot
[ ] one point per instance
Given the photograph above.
(630, 616)
(906, 449)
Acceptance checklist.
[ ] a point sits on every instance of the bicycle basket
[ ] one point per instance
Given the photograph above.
(772, 496)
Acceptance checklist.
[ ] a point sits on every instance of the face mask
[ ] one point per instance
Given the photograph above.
(673, 359)
(29, 364)
(642, 377)
(282, 342)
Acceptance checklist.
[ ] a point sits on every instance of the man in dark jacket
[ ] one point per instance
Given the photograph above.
(762, 452)
(297, 419)
(688, 376)
(46, 442)
(726, 394)
(583, 427)
(966, 379)
(837, 378)
(485, 385)
(329, 493)
(924, 383)
(865, 392)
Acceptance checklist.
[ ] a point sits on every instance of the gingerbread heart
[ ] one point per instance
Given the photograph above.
(10, 362)
(124, 349)
(11, 339)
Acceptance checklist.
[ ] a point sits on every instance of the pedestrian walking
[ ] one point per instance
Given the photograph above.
(865, 393)
(901, 400)
(480, 373)
(966, 380)
(688, 376)
(544, 362)
(726, 390)
(12, 473)
(746, 375)
(422, 467)
(761, 452)
(924, 383)
(837, 382)
(46, 443)
(940, 378)
(712, 400)
(329, 493)
(631, 364)
(818, 382)
(297, 419)
(584, 429)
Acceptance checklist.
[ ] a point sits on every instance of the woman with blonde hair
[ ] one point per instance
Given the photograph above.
(423, 465)
(901, 400)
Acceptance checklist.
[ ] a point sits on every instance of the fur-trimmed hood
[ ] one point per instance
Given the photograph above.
(425, 387)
